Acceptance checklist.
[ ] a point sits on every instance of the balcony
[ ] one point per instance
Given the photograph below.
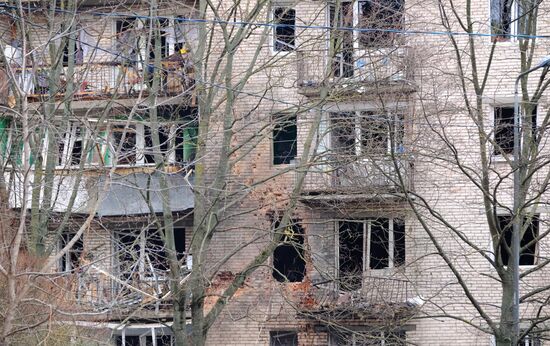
(358, 72)
(98, 81)
(359, 176)
(380, 298)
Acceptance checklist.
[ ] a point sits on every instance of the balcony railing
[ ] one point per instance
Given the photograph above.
(378, 65)
(98, 81)
(379, 297)
(359, 176)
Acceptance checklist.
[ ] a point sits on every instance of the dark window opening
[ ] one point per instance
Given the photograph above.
(162, 25)
(501, 19)
(343, 134)
(283, 338)
(128, 253)
(145, 250)
(384, 17)
(379, 244)
(127, 153)
(284, 32)
(399, 238)
(143, 340)
(374, 133)
(528, 243)
(164, 141)
(504, 129)
(288, 258)
(76, 150)
(127, 45)
(155, 254)
(179, 240)
(285, 134)
(351, 255)
(342, 40)
(70, 259)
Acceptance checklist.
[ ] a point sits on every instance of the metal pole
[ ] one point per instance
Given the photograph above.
(518, 219)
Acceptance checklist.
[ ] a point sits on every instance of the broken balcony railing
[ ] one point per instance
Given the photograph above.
(100, 290)
(97, 81)
(378, 296)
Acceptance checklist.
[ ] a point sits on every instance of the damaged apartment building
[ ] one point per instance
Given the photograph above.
(328, 115)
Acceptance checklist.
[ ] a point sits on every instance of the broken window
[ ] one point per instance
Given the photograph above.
(283, 338)
(366, 133)
(369, 245)
(143, 251)
(528, 243)
(70, 259)
(285, 134)
(284, 19)
(504, 128)
(164, 144)
(70, 145)
(381, 19)
(342, 40)
(288, 258)
(162, 24)
(504, 15)
(124, 144)
(128, 40)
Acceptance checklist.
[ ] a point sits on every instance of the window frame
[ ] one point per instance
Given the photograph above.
(366, 246)
(357, 116)
(143, 235)
(535, 218)
(281, 123)
(142, 150)
(297, 243)
(66, 263)
(511, 36)
(274, 41)
(273, 334)
(500, 154)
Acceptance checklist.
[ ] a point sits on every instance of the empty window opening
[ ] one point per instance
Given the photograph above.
(70, 146)
(285, 133)
(504, 19)
(384, 17)
(162, 24)
(70, 260)
(128, 40)
(164, 143)
(144, 251)
(288, 258)
(283, 338)
(124, 144)
(504, 129)
(366, 133)
(371, 244)
(284, 38)
(528, 243)
(342, 40)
